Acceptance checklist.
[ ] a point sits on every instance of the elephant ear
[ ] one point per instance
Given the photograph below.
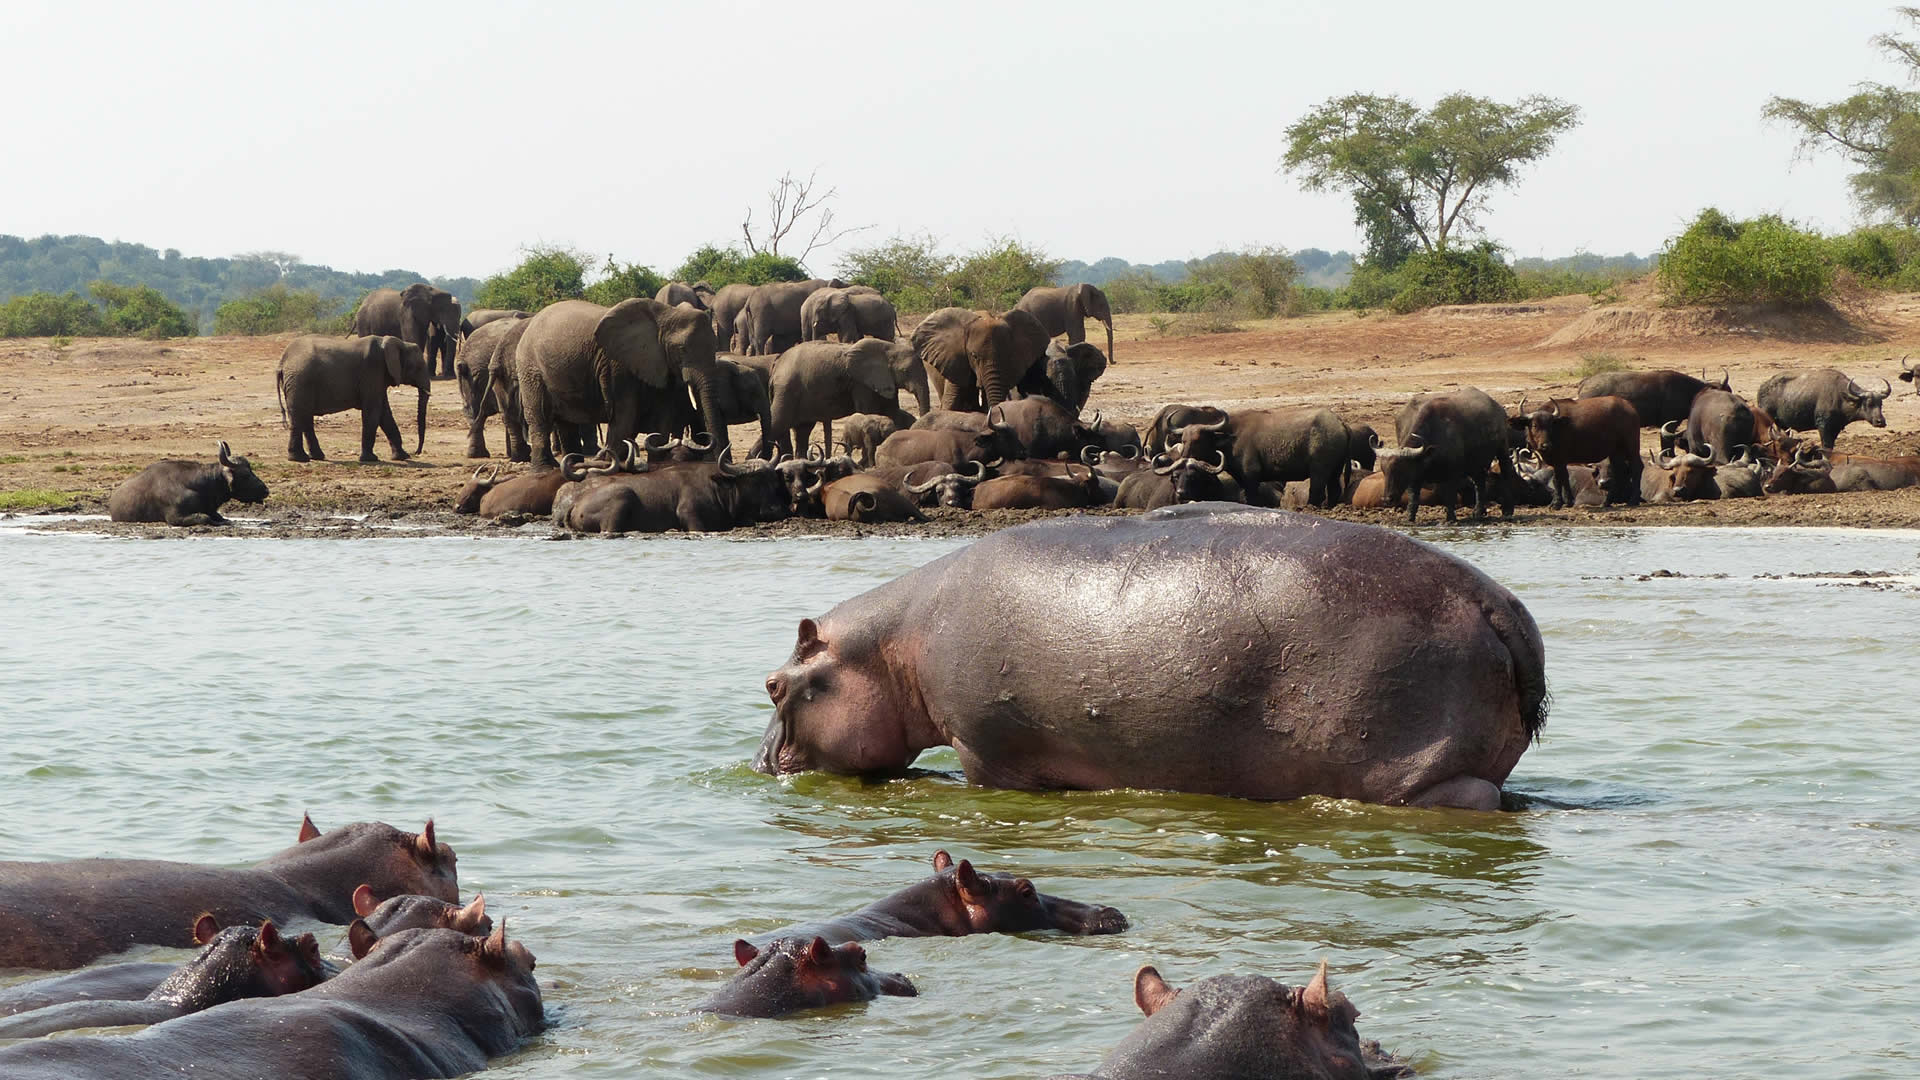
(1077, 298)
(629, 335)
(873, 367)
(396, 370)
(946, 353)
(1029, 336)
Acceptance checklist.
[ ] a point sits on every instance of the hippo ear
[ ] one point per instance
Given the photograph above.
(494, 949)
(1323, 1004)
(971, 887)
(809, 635)
(820, 954)
(361, 939)
(307, 829)
(363, 901)
(1150, 991)
(471, 915)
(204, 928)
(941, 860)
(424, 845)
(744, 952)
(268, 939)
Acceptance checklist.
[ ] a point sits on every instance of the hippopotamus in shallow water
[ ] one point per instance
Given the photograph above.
(132, 982)
(1231, 1026)
(238, 962)
(1209, 648)
(959, 900)
(423, 1003)
(800, 973)
(65, 914)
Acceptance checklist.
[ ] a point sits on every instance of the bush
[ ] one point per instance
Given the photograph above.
(1133, 292)
(1765, 260)
(546, 274)
(720, 267)
(619, 283)
(910, 271)
(140, 311)
(1256, 282)
(996, 277)
(45, 314)
(277, 309)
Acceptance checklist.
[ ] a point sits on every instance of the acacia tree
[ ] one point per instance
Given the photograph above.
(1877, 129)
(790, 200)
(1421, 174)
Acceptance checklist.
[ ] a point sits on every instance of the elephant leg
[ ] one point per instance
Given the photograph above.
(369, 426)
(391, 429)
(540, 426)
(1076, 330)
(296, 425)
(313, 439)
(477, 436)
(826, 435)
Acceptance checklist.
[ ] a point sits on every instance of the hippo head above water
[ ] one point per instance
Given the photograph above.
(397, 913)
(388, 861)
(1245, 1025)
(242, 962)
(493, 975)
(793, 973)
(1002, 903)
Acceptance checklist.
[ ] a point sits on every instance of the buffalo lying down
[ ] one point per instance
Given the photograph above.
(186, 492)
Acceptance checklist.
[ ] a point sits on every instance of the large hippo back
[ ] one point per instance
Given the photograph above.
(1222, 649)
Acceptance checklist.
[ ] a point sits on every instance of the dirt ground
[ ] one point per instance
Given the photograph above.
(77, 418)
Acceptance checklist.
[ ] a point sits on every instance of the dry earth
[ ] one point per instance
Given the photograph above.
(78, 418)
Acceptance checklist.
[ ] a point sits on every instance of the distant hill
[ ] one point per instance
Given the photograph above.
(59, 264)
(1317, 267)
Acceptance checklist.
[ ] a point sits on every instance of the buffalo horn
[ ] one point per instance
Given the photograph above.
(704, 444)
(1671, 429)
(570, 462)
(1090, 455)
(1214, 469)
(226, 453)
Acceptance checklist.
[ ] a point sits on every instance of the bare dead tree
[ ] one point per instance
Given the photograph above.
(789, 201)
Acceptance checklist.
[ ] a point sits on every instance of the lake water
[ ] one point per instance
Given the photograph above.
(1716, 872)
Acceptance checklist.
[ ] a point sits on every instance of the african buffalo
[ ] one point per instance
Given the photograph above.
(1689, 478)
(695, 497)
(1567, 432)
(1447, 440)
(1720, 421)
(866, 498)
(955, 447)
(1803, 474)
(1301, 443)
(186, 492)
(1824, 400)
(1164, 429)
(1657, 397)
(1040, 492)
(1173, 480)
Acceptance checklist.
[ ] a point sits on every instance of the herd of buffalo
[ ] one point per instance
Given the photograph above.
(1311, 674)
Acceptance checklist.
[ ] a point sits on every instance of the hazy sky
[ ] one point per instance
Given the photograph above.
(374, 135)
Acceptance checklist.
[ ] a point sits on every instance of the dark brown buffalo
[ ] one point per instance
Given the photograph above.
(1043, 426)
(792, 974)
(1244, 1026)
(1040, 492)
(1680, 478)
(1566, 432)
(529, 493)
(1657, 397)
(698, 496)
(959, 900)
(1825, 401)
(65, 914)
(423, 1003)
(186, 492)
(235, 963)
(915, 445)
(1447, 440)
(867, 498)
(1165, 427)
(1171, 480)
(1260, 445)
(1720, 421)
(1803, 474)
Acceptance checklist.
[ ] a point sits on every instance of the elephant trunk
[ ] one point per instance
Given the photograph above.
(716, 420)
(1109, 323)
(994, 385)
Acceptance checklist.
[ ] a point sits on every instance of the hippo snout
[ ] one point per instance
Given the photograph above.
(1105, 920)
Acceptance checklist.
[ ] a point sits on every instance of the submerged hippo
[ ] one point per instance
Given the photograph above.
(65, 914)
(797, 973)
(238, 962)
(423, 1003)
(1209, 648)
(959, 900)
(1243, 1026)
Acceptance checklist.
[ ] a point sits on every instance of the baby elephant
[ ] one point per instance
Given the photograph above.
(793, 973)
(319, 375)
(186, 492)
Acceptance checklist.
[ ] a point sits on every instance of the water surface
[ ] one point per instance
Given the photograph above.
(1715, 873)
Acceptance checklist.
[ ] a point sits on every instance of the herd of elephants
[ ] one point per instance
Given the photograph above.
(1318, 656)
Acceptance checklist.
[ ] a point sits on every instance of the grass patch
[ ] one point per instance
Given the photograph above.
(1597, 363)
(33, 498)
(1204, 322)
(12, 459)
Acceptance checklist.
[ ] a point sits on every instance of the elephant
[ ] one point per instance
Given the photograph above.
(727, 305)
(862, 434)
(420, 314)
(480, 317)
(972, 354)
(1072, 371)
(773, 314)
(484, 374)
(581, 363)
(821, 381)
(699, 294)
(744, 393)
(320, 375)
(1066, 311)
(853, 313)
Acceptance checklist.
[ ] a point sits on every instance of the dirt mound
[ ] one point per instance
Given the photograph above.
(1623, 324)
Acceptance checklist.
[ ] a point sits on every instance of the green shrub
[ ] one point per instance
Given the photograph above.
(44, 314)
(619, 283)
(994, 278)
(718, 267)
(1765, 260)
(140, 311)
(1133, 292)
(277, 309)
(910, 271)
(1475, 275)
(1256, 282)
(546, 274)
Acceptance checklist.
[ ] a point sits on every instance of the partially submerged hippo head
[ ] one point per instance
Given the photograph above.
(792, 974)
(492, 978)
(241, 962)
(989, 903)
(1245, 1025)
(389, 861)
(397, 913)
(836, 706)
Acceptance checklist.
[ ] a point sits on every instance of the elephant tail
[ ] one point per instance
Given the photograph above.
(280, 393)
